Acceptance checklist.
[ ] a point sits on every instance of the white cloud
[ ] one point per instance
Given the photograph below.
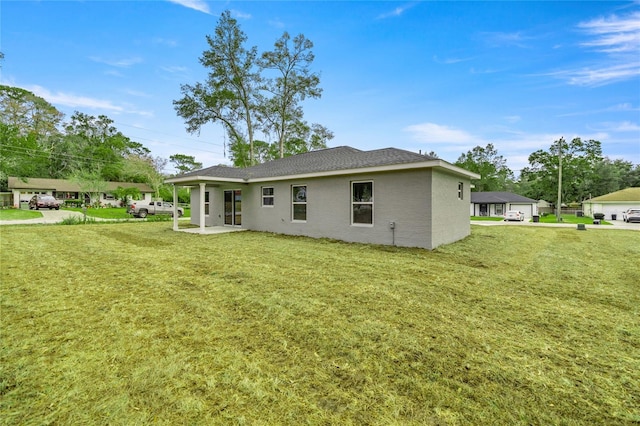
(398, 11)
(624, 126)
(614, 34)
(199, 5)
(114, 73)
(240, 15)
(601, 76)
(74, 101)
(438, 134)
(174, 69)
(514, 146)
(276, 23)
(501, 39)
(513, 118)
(448, 61)
(120, 63)
(618, 38)
(136, 93)
(83, 102)
(164, 41)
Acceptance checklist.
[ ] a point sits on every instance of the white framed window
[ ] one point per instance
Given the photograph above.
(268, 198)
(206, 203)
(460, 190)
(299, 203)
(362, 203)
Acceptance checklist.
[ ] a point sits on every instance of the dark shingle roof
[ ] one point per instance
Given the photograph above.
(498, 197)
(326, 160)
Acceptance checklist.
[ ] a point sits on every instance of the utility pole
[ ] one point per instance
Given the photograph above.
(559, 203)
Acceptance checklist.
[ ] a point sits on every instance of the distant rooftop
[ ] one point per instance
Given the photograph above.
(493, 197)
(629, 194)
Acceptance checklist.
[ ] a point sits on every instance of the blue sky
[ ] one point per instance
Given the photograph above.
(423, 76)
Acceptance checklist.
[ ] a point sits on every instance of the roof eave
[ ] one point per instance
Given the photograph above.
(192, 180)
(376, 169)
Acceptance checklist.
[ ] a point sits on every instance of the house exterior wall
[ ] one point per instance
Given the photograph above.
(423, 205)
(400, 197)
(449, 214)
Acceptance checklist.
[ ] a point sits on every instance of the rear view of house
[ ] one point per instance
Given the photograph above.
(387, 196)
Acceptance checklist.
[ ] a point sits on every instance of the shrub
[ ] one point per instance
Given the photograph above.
(72, 203)
(75, 220)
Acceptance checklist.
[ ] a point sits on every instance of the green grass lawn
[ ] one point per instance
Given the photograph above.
(488, 218)
(570, 218)
(133, 323)
(103, 213)
(19, 214)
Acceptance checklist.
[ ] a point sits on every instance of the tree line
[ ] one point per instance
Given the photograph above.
(586, 173)
(37, 141)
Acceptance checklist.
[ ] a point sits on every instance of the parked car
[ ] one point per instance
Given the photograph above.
(42, 201)
(142, 209)
(631, 215)
(514, 215)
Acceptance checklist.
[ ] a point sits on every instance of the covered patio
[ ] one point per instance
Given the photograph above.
(216, 204)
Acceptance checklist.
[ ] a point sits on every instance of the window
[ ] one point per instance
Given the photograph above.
(362, 203)
(460, 190)
(499, 209)
(206, 203)
(267, 196)
(299, 202)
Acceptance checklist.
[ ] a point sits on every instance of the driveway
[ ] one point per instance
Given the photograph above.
(615, 224)
(48, 216)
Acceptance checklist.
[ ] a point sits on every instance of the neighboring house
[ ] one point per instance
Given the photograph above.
(545, 207)
(497, 203)
(24, 188)
(386, 196)
(613, 203)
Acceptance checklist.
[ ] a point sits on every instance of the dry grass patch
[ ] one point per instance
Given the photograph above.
(134, 323)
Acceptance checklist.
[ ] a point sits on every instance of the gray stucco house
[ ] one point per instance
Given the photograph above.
(386, 196)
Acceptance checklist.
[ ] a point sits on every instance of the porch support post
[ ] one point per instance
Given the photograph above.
(175, 208)
(202, 185)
